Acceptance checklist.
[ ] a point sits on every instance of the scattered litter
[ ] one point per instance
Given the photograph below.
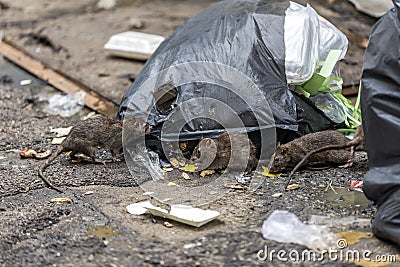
(207, 172)
(180, 213)
(106, 4)
(335, 222)
(61, 200)
(354, 237)
(135, 45)
(135, 24)
(88, 193)
(171, 184)
(242, 179)
(60, 132)
(31, 153)
(239, 186)
(78, 157)
(168, 169)
(292, 187)
(356, 185)
(277, 195)
(168, 224)
(25, 82)
(148, 193)
(89, 115)
(186, 214)
(191, 245)
(189, 168)
(139, 208)
(65, 105)
(284, 226)
(174, 162)
(57, 140)
(165, 164)
(268, 174)
(185, 176)
(375, 8)
(329, 186)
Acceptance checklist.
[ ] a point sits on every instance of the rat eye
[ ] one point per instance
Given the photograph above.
(277, 159)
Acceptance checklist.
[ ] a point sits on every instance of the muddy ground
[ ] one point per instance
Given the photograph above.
(96, 230)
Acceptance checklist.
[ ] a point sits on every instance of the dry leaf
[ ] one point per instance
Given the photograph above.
(168, 224)
(61, 200)
(189, 168)
(354, 237)
(206, 172)
(292, 187)
(171, 184)
(268, 174)
(235, 186)
(185, 176)
(174, 162)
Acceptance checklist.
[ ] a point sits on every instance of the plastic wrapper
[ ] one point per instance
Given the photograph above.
(65, 105)
(329, 105)
(380, 98)
(260, 40)
(284, 226)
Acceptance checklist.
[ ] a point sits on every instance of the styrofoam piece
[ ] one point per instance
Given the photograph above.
(375, 8)
(135, 45)
(180, 213)
(139, 208)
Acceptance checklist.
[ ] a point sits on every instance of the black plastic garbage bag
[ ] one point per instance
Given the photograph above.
(380, 105)
(247, 36)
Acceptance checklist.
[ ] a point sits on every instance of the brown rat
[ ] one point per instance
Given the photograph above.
(216, 154)
(357, 143)
(87, 135)
(287, 156)
(320, 147)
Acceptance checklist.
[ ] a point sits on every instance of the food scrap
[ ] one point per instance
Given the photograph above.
(31, 153)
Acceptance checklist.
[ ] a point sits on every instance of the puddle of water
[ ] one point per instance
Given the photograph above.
(103, 231)
(345, 198)
(17, 74)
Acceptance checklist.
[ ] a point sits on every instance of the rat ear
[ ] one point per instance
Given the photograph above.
(278, 144)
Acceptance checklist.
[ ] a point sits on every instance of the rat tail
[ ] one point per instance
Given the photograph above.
(46, 164)
(312, 152)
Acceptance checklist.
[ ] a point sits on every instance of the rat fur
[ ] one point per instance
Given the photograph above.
(334, 149)
(357, 143)
(230, 148)
(86, 136)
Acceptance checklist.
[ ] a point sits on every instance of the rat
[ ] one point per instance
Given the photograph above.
(87, 135)
(357, 144)
(327, 146)
(215, 154)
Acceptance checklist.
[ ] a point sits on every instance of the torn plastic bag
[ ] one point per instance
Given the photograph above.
(380, 105)
(270, 44)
